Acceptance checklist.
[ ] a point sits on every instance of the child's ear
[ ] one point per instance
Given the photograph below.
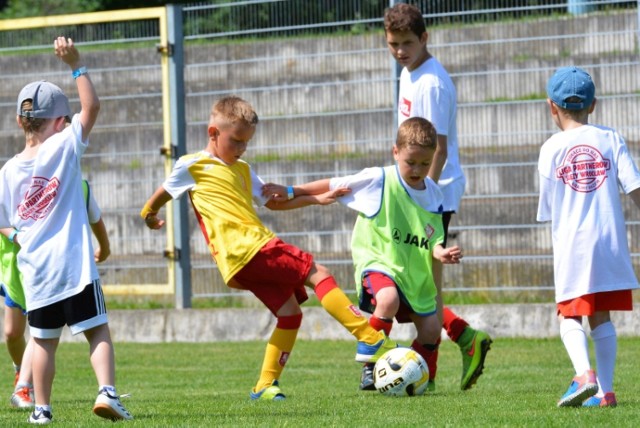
(18, 121)
(213, 131)
(395, 152)
(424, 38)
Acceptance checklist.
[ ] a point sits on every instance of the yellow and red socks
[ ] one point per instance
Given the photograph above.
(430, 354)
(278, 349)
(338, 305)
(453, 324)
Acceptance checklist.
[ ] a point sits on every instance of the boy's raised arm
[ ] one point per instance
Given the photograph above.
(89, 102)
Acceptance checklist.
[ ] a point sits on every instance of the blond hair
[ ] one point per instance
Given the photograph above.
(232, 111)
(417, 131)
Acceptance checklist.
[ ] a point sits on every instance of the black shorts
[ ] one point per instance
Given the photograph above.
(81, 312)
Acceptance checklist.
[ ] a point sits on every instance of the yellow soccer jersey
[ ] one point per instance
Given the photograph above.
(222, 197)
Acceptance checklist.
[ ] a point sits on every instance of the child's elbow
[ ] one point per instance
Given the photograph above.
(94, 108)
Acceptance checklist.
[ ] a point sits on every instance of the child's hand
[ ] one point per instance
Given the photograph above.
(450, 255)
(153, 222)
(67, 52)
(101, 254)
(332, 196)
(275, 192)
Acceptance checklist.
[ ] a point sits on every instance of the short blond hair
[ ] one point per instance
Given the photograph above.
(231, 111)
(417, 131)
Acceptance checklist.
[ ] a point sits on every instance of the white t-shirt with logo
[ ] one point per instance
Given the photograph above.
(43, 198)
(429, 92)
(580, 170)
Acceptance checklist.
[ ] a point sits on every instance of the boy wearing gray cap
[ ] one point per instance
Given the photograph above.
(580, 169)
(43, 210)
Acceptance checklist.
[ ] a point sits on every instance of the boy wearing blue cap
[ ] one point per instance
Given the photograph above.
(580, 169)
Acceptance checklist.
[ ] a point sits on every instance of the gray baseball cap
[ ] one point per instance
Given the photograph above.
(49, 102)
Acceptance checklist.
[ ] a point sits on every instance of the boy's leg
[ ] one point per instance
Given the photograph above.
(379, 293)
(366, 377)
(584, 384)
(606, 346)
(101, 354)
(474, 346)
(371, 343)
(86, 313)
(44, 369)
(277, 353)
(427, 342)
(23, 395)
(14, 327)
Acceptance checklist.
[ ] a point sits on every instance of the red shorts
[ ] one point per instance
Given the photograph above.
(276, 272)
(589, 304)
(372, 283)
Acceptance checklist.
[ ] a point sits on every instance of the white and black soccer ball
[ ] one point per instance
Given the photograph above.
(401, 372)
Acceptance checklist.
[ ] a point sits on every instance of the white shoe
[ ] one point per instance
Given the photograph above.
(109, 407)
(41, 417)
(22, 398)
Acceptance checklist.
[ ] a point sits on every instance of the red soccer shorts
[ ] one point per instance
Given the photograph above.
(589, 304)
(276, 272)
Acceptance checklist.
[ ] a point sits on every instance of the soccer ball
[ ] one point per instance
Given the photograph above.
(401, 372)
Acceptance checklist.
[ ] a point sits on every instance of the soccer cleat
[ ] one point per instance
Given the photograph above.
(608, 400)
(22, 398)
(366, 379)
(581, 388)
(371, 353)
(270, 393)
(40, 417)
(473, 355)
(109, 407)
(431, 386)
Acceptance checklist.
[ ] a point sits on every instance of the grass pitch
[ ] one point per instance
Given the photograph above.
(207, 385)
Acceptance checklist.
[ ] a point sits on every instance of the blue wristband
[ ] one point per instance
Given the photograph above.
(12, 235)
(79, 72)
(290, 194)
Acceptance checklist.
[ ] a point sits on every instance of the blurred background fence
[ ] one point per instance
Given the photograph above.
(321, 79)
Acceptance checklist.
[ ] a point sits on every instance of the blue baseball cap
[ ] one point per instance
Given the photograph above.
(568, 82)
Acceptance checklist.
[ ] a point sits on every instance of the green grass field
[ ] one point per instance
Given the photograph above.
(205, 385)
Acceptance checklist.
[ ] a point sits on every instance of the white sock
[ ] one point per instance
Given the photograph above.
(111, 390)
(605, 343)
(574, 339)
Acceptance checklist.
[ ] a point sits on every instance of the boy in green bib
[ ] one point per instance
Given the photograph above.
(397, 235)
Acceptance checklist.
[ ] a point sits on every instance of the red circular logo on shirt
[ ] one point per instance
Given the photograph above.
(584, 169)
(39, 198)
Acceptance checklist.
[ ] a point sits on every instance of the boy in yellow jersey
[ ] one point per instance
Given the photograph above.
(222, 189)
(397, 236)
